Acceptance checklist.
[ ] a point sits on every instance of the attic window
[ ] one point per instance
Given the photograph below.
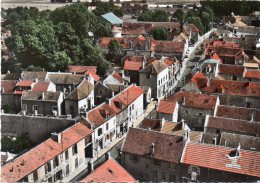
(233, 153)
(110, 171)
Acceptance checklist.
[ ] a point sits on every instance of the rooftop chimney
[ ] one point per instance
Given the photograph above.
(43, 95)
(162, 121)
(90, 166)
(108, 155)
(56, 137)
(215, 140)
(225, 142)
(253, 115)
(185, 135)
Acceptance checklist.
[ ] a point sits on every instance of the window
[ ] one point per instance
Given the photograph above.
(155, 175)
(134, 158)
(24, 107)
(35, 107)
(35, 176)
(76, 162)
(100, 91)
(200, 114)
(67, 169)
(194, 169)
(99, 131)
(56, 162)
(55, 108)
(75, 149)
(25, 179)
(133, 107)
(87, 141)
(163, 176)
(48, 167)
(172, 166)
(50, 179)
(172, 178)
(67, 155)
(156, 163)
(107, 126)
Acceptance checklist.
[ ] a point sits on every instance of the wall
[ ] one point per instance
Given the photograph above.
(100, 93)
(13, 101)
(38, 128)
(193, 117)
(152, 82)
(144, 169)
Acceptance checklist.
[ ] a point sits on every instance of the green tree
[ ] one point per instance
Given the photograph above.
(17, 145)
(205, 18)
(160, 33)
(106, 7)
(179, 14)
(197, 22)
(114, 47)
(154, 16)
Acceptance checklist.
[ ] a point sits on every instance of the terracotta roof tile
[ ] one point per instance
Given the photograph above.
(133, 66)
(254, 74)
(41, 154)
(118, 77)
(93, 74)
(81, 69)
(233, 70)
(110, 171)
(166, 107)
(167, 147)
(41, 86)
(168, 46)
(238, 112)
(25, 83)
(154, 124)
(217, 157)
(7, 87)
(234, 125)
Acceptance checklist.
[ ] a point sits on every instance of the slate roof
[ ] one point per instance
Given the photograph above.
(154, 68)
(32, 75)
(217, 157)
(64, 78)
(109, 171)
(41, 154)
(82, 91)
(112, 18)
(167, 147)
(44, 96)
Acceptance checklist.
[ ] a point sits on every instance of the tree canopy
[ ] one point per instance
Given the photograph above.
(154, 16)
(52, 40)
(160, 33)
(106, 7)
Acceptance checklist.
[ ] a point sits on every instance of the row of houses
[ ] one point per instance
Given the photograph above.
(70, 150)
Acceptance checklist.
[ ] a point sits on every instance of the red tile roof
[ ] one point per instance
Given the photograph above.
(254, 74)
(7, 87)
(25, 83)
(216, 57)
(194, 100)
(154, 124)
(41, 86)
(167, 46)
(234, 125)
(133, 58)
(239, 88)
(193, 27)
(110, 171)
(217, 157)
(118, 77)
(233, 70)
(166, 106)
(167, 147)
(93, 74)
(238, 112)
(41, 154)
(81, 69)
(133, 66)
(117, 104)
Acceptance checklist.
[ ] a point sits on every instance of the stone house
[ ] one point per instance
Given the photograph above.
(114, 79)
(80, 100)
(155, 75)
(152, 156)
(101, 92)
(65, 82)
(59, 155)
(213, 163)
(9, 97)
(42, 103)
